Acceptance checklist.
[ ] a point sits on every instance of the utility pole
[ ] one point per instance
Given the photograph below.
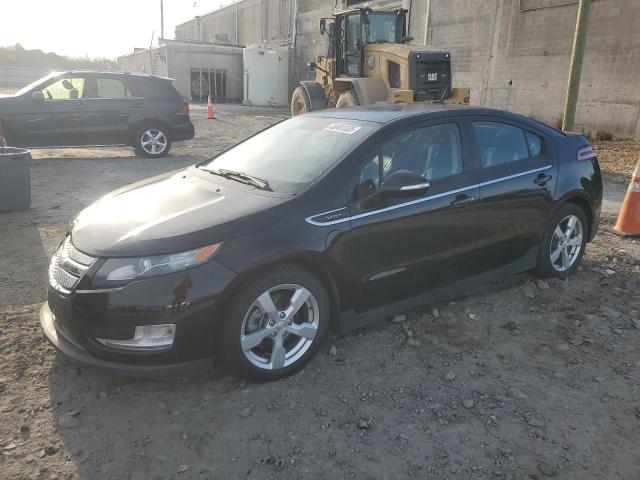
(575, 69)
(161, 18)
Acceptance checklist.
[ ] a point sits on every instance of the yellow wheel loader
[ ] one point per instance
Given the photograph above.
(370, 61)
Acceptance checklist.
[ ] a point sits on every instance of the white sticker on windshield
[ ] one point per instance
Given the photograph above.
(342, 128)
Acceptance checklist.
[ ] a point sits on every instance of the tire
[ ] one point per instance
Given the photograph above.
(560, 255)
(250, 335)
(347, 99)
(300, 102)
(143, 141)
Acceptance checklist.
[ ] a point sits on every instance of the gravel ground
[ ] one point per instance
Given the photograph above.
(522, 379)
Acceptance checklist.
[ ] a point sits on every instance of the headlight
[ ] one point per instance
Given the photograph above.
(122, 270)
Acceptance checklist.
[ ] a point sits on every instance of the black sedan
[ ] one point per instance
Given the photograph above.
(337, 217)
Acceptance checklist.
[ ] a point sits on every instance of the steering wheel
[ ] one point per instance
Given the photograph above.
(49, 96)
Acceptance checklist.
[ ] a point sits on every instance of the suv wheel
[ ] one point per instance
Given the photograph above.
(276, 324)
(152, 141)
(564, 242)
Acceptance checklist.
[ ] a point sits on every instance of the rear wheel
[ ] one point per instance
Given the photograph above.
(347, 99)
(564, 242)
(152, 141)
(276, 324)
(300, 102)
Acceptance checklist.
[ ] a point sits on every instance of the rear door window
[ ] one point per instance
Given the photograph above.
(111, 88)
(500, 143)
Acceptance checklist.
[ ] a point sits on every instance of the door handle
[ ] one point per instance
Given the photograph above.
(137, 105)
(80, 107)
(542, 179)
(462, 201)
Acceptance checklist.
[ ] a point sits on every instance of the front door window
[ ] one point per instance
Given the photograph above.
(68, 88)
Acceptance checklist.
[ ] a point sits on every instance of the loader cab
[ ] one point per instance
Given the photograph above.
(352, 29)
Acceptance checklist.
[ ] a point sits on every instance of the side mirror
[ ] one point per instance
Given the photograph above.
(323, 26)
(403, 183)
(37, 97)
(312, 65)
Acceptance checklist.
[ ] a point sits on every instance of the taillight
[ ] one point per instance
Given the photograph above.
(184, 110)
(586, 153)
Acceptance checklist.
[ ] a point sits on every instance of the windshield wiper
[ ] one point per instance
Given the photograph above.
(240, 177)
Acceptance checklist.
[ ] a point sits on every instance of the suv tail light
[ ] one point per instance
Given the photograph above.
(586, 153)
(184, 110)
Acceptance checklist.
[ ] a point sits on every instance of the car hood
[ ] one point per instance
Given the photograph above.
(171, 213)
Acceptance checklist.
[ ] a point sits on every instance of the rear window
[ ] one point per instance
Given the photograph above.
(157, 88)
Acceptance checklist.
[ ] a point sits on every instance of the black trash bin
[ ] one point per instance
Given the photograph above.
(15, 179)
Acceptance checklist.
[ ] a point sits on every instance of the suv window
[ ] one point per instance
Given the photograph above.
(111, 88)
(67, 88)
(501, 143)
(433, 152)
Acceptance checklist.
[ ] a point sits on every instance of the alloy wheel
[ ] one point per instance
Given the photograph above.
(153, 141)
(566, 243)
(280, 326)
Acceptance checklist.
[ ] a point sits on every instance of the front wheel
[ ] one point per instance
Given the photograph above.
(152, 141)
(275, 324)
(300, 102)
(564, 242)
(347, 99)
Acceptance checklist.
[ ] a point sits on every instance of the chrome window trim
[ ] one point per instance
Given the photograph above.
(419, 200)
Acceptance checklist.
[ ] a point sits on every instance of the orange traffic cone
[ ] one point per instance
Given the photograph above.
(210, 113)
(628, 224)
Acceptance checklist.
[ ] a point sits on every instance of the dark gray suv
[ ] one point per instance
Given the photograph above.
(89, 108)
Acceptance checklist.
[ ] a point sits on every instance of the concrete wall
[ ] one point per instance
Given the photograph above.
(243, 23)
(177, 59)
(515, 55)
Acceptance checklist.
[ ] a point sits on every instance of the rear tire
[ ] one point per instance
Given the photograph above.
(152, 141)
(347, 99)
(275, 325)
(300, 102)
(563, 244)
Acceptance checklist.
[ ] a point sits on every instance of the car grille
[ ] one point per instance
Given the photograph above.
(67, 266)
(429, 89)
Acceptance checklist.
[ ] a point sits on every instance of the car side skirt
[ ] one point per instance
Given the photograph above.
(350, 320)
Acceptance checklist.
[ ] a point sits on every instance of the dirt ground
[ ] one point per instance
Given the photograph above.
(525, 379)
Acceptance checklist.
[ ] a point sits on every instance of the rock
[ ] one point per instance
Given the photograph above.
(24, 428)
(51, 450)
(548, 469)
(542, 284)
(399, 318)
(41, 453)
(473, 316)
(530, 294)
(435, 312)
(449, 376)
(10, 446)
(69, 420)
(636, 323)
(468, 403)
(609, 312)
(333, 351)
(364, 424)
(414, 342)
(246, 412)
(598, 379)
(182, 468)
(511, 326)
(534, 422)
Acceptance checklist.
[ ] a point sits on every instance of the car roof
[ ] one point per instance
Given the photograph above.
(387, 113)
(109, 72)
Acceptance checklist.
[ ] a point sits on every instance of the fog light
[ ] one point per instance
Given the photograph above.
(145, 338)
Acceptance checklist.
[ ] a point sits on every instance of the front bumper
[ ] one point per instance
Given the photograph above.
(75, 352)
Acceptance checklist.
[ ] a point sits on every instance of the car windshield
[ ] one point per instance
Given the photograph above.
(32, 85)
(295, 153)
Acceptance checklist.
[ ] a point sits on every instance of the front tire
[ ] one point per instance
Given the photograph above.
(563, 243)
(300, 102)
(152, 141)
(275, 325)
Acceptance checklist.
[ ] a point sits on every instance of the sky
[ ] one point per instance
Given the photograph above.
(94, 28)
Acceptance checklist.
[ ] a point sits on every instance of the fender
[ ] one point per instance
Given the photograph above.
(317, 97)
(368, 90)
